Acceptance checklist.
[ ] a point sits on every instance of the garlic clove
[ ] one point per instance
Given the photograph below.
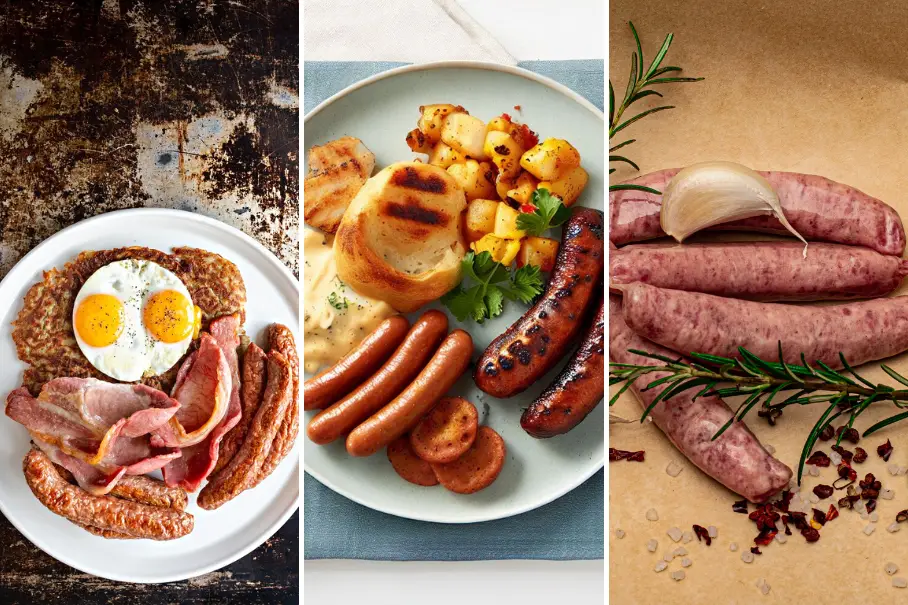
(712, 193)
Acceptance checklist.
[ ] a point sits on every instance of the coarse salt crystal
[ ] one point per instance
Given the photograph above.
(835, 458)
(869, 529)
(687, 537)
(675, 534)
(733, 546)
(814, 498)
(781, 538)
(892, 468)
(668, 557)
(652, 515)
(686, 562)
(765, 588)
(900, 582)
(652, 545)
(874, 517)
(891, 568)
(619, 533)
(865, 515)
(887, 494)
(660, 566)
(813, 471)
(677, 576)
(747, 556)
(680, 551)
(893, 528)
(673, 469)
(712, 531)
(769, 449)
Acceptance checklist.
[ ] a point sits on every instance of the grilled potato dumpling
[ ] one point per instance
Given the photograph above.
(336, 172)
(401, 239)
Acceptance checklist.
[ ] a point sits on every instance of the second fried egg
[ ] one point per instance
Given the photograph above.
(134, 318)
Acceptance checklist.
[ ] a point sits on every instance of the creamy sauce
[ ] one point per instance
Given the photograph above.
(335, 318)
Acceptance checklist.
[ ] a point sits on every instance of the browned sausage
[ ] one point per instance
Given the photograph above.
(402, 414)
(577, 390)
(142, 489)
(280, 339)
(399, 371)
(538, 340)
(105, 513)
(234, 478)
(253, 385)
(324, 389)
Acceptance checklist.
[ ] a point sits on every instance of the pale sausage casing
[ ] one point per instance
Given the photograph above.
(690, 322)
(768, 271)
(818, 208)
(736, 459)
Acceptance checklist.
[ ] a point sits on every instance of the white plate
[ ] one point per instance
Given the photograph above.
(221, 536)
(380, 111)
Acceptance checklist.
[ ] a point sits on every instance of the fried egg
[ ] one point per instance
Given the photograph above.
(134, 318)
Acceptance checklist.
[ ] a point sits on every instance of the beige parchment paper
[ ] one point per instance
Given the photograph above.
(811, 86)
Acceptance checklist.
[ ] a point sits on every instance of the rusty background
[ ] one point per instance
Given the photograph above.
(121, 104)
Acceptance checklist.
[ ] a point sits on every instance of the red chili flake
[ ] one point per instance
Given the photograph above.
(823, 491)
(902, 516)
(846, 455)
(702, 534)
(860, 455)
(871, 506)
(851, 434)
(527, 208)
(819, 458)
(810, 534)
(848, 501)
(832, 513)
(819, 516)
(614, 455)
(845, 471)
(885, 450)
(784, 503)
(870, 481)
(785, 523)
(530, 138)
(506, 117)
(517, 108)
(765, 517)
(755, 550)
(740, 507)
(798, 519)
(765, 537)
(827, 433)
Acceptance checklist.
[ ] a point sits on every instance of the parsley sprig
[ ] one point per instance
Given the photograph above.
(550, 212)
(492, 284)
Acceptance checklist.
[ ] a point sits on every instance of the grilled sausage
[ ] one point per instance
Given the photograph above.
(399, 371)
(253, 385)
(819, 209)
(105, 513)
(768, 271)
(324, 389)
(402, 414)
(689, 322)
(736, 459)
(239, 474)
(538, 340)
(577, 390)
(280, 339)
(142, 489)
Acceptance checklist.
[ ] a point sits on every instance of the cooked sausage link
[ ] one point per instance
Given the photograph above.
(537, 341)
(142, 489)
(818, 208)
(102, 512)
(736, 459)
(253, 386)
(576, 391)
(280, 339)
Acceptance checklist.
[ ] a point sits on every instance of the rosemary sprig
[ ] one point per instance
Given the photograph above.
(762, 381)
(638, 88)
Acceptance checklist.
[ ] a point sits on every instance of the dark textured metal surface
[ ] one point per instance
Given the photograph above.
(121, 104)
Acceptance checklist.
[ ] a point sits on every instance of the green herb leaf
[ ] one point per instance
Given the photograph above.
(493, 282)
(526, 284)
(550, 212)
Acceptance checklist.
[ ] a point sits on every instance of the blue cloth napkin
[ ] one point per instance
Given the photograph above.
(569, 528)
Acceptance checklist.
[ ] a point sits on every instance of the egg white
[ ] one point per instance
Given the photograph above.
(136, 353)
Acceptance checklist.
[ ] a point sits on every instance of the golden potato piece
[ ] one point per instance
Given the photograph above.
(477, 179)
(539, 251)
(432, 119)
(337, 172)
(444, 156)
(504, 153)
(466, 134)
(524, 187)
(550, 159)
(569, 185)
(480, 218)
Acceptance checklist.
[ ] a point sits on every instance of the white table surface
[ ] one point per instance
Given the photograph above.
(529, 30)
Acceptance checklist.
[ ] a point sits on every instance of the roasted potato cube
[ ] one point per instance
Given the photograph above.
(418, 142)
(524, 187)
(500, 124)
(549, 160)
(506, 222)
(480, 218)
(569, 186)
(539, 251)
(504, 152)
(466, 134)
(502, 250)
(477, 179)
(432, 118)
(444, 156)
(503, 185)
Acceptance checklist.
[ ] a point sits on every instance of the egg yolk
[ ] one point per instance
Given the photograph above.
(100, 319)
(169, 316)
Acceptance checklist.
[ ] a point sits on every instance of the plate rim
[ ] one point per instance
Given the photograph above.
(432, 66)
(283, 517)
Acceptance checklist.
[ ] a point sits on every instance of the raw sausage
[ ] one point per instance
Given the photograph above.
(402, 414)
(736, 459)
(577, 390)
(105, 513)
(768, 271)
(538, 340)
(399, 371)
(324, 389)
(689, 322)
(818, 208)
